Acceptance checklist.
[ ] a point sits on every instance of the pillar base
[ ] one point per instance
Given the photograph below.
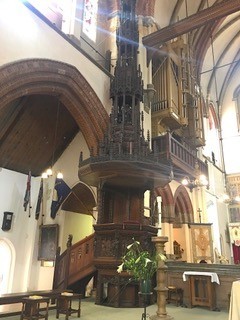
(161, 317)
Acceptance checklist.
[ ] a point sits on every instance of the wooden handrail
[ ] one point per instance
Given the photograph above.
(75, 263)
(179, 154)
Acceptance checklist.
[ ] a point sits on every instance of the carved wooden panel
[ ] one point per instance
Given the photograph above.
(202, 244)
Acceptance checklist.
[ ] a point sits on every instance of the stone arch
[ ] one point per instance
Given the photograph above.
(167, 203)
(183, 209)
(43, 76)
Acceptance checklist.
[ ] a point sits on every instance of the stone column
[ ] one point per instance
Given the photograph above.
(161, 282)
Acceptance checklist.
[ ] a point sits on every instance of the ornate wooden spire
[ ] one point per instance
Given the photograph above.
(124, 140)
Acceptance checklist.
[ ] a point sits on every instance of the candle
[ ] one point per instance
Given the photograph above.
(159, 203)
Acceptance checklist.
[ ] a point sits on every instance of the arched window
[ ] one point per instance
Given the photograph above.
(212, 147)
(90, 18)
(236, 98)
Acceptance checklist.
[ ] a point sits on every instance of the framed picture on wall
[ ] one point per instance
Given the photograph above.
(48, 242)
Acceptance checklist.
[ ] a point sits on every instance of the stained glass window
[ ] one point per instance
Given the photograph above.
(90, 18)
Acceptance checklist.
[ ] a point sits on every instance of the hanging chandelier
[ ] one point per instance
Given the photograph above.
(231, 196)
(200, 180)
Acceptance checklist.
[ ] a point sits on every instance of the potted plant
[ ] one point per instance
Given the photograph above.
(140, 264)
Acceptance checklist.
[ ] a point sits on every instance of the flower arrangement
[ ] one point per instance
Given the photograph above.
(141, 264)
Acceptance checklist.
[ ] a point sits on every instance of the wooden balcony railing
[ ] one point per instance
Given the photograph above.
(180, 156)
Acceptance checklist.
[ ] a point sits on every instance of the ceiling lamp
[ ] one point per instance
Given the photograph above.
(49, 173)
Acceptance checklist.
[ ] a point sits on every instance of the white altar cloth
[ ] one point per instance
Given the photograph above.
(213, 275)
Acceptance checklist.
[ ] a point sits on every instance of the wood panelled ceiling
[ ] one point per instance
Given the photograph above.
(34, 132)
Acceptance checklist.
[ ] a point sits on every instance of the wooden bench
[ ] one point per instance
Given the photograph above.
(12, 298)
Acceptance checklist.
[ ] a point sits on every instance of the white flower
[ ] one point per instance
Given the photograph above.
(134, 243)
(120, 268)
(147, 261)
(138, 259)
(162, 256)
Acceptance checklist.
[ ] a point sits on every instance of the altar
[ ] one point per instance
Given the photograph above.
(202, 288)
(225, 274)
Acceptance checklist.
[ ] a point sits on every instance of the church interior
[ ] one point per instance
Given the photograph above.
(120, 121)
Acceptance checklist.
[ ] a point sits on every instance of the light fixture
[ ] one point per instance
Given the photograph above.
(49, 172)
(231, 196)
(199, 181)
(44, 175)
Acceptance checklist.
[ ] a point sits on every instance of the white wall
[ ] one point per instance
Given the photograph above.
(231, 137)
(21, 235)
(26, 36)
(24, 234)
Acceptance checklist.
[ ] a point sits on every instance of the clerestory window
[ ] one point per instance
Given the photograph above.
(90, 19)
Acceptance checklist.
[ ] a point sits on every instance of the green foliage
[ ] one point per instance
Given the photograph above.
(141, 264)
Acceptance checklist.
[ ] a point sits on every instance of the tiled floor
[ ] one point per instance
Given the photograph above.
(90, 311)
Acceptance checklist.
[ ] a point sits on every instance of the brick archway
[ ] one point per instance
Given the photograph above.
(167, 203)
(43, 76)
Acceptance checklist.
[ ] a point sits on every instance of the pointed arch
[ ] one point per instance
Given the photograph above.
(43, 76)
(213, 114)
(183, 209)
(167, 203)
(81, 199)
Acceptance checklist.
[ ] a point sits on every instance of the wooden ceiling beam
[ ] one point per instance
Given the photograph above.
(197, 20)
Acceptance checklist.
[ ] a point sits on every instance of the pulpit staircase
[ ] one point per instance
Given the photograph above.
(74, 267)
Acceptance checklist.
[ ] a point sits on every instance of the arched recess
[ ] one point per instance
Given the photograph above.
(236, 98)
(167, 203)
(183, 209)
(8, 255)
(183, 214)
(43, 76)
(80, 200)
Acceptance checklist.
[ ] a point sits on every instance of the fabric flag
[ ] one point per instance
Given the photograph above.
(39, 202)
(27, 193)
(60, 192)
